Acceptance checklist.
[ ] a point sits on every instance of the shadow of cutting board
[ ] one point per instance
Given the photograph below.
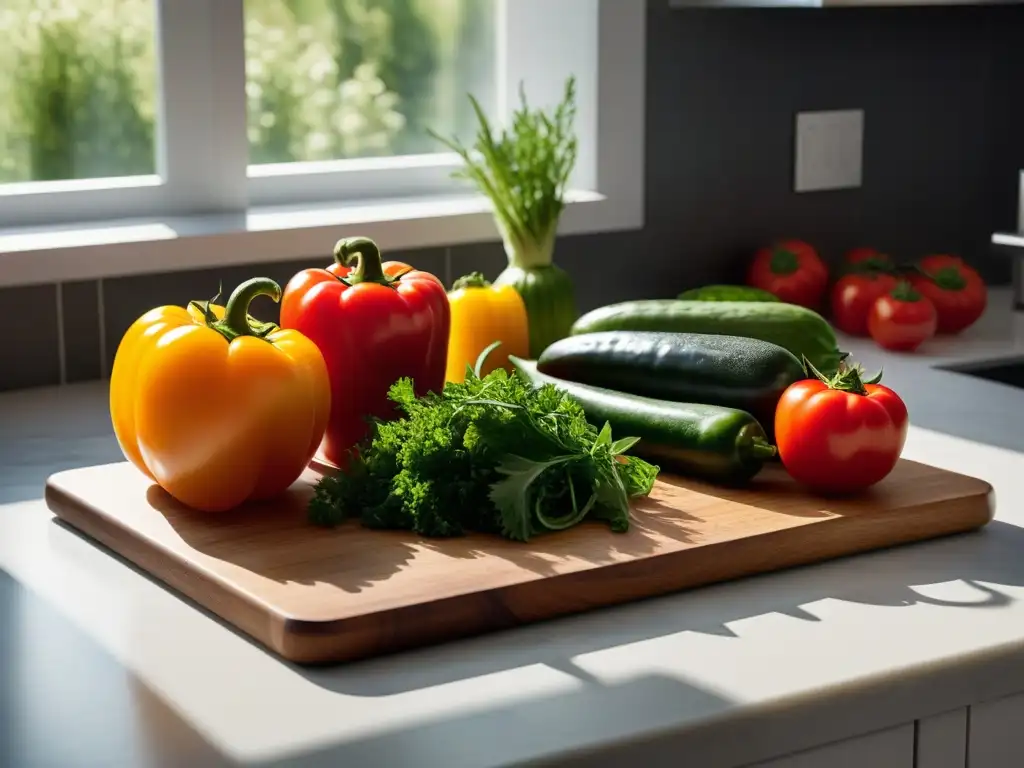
(318, 595)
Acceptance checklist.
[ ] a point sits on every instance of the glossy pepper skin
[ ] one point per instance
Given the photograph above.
(483, 313)
(215, 407)
(374, 323)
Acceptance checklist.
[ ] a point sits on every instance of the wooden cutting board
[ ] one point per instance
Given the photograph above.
(316, 595)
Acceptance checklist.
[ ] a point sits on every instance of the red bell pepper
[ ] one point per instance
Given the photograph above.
(374, 323)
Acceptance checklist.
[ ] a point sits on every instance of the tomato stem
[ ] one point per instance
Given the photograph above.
(366, 256)
(948, 278)
(849, 378)
(784, 262)
(874, 379)
(904, 291)
(872, 268)
(874, 264)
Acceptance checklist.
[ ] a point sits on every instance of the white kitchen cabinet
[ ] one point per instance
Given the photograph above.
(997, 733)
(942, 740)
(891, 748)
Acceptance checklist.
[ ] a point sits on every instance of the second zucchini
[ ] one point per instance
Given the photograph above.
(798, 329)
(723, 445)
(731, 371)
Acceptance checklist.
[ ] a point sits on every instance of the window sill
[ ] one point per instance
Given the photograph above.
(268, 234)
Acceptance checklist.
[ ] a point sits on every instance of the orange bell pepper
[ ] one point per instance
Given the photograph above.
(482, 314)
(215, 407)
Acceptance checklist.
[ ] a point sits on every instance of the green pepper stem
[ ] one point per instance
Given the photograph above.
(472, 280)
(236, 311)
(762, 449)
(366, 255)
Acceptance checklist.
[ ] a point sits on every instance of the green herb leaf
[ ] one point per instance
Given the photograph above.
(638, 476)
(511, 496)
(482, 358)
(490, 454)
(619, 447)
(523, 170)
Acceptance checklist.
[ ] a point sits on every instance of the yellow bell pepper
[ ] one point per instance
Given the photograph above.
(482, 314)
(215, 407)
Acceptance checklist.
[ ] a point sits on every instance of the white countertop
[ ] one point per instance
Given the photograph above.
(736, 672)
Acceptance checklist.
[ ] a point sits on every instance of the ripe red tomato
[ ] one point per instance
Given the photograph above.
(956, 290)
(902, 319)
(840, 435)
(792, 270)
(853, 295)
(868, 258)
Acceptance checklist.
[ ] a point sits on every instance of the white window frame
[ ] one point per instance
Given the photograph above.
(205, 207)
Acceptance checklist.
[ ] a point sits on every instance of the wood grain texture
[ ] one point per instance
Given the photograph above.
(315, 595)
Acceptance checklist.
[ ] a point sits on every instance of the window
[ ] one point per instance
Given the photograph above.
(197, 117)
(77, 90)
(342, 80)
(330, 80)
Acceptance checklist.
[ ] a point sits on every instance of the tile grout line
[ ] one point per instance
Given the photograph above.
(101, 326)
(967, 740)
(62, 358)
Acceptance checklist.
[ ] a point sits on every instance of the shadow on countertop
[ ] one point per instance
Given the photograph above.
(641, 714)
(50, 430)
(70, 702)
(64, 700)
(983, 560)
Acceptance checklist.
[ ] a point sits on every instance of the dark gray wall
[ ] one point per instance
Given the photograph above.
(943, 94)
(942, 91)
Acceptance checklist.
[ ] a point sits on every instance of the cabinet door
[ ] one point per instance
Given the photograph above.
(892, 748)
(942, 740)
(997, 733)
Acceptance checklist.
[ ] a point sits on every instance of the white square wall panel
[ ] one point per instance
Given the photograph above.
(829, 150)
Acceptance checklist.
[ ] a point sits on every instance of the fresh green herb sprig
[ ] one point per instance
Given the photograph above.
(491, 454)
(524, 172)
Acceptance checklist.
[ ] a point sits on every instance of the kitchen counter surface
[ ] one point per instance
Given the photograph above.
(102, 666)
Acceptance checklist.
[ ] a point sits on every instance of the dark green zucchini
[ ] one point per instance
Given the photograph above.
(800, 330)
(731, 371)
(727, 293)
(722, 445)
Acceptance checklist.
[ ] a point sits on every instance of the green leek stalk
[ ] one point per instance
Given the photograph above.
(524, 173)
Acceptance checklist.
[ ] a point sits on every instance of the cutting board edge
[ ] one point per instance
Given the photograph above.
(318, 641)
(184, 579)
(332, 641)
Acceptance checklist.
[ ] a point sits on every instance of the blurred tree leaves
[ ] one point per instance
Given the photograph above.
(73, 107)
(326, 79)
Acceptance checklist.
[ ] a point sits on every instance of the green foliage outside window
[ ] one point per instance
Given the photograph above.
(326, 79)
